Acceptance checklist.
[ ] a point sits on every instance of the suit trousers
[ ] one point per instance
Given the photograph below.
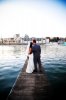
(37, 60)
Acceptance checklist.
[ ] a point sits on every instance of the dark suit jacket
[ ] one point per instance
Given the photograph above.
(36, 50)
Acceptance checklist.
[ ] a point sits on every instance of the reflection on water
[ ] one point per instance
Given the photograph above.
(12, 58)
(11, 51)
(54, 62)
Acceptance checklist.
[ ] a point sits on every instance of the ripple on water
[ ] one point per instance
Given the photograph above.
(53, 59)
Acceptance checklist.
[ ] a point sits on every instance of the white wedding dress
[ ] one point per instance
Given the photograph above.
(30, 65)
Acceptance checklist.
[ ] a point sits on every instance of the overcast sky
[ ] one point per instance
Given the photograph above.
(37, 18)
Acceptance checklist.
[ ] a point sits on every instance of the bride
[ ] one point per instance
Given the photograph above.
(30, 65)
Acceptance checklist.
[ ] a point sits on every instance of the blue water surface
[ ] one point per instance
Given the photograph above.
(53, 58)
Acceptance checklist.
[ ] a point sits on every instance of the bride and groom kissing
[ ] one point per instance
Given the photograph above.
(33, 51)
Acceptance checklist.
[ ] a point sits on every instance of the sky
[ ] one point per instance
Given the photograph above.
(36, 18)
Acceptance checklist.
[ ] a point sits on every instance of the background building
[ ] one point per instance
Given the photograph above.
(17, 40)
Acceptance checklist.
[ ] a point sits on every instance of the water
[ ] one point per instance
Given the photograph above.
(12, 59)
(53, 57)
(54, 62)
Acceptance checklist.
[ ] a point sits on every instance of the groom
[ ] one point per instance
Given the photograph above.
(36, 55)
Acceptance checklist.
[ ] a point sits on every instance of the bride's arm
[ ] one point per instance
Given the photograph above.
(30, 50)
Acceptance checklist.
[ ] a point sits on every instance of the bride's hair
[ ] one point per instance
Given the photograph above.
(30, 44)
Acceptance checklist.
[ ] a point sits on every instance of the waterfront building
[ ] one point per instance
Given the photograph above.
(47, 40)
(8, 41)
(18, 40)
(15, 40)
(0, 40)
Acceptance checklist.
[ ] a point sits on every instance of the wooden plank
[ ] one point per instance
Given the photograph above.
(34, 86)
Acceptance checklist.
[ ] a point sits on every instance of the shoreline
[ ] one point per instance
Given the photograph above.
(23, 44)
